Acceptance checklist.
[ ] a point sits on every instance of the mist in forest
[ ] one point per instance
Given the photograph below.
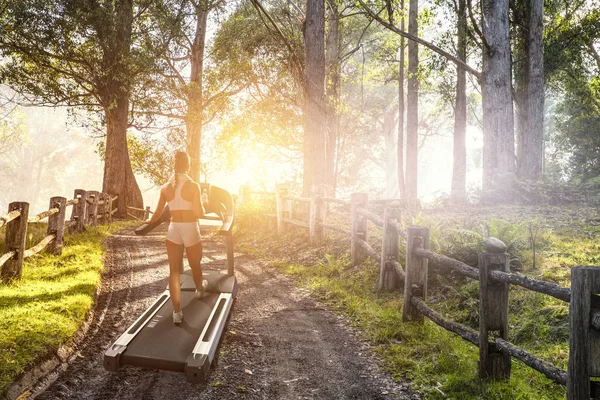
(46, 154)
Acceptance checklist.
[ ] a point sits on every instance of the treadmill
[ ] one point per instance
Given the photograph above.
(153, 340)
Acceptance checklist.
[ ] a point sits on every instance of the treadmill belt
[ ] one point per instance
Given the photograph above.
(162, 344)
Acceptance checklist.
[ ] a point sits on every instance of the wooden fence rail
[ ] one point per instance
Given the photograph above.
(85, 211)
(494, 278)
(9, 217)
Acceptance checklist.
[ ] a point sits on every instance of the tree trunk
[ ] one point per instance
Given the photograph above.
(529, 87)
(401, 107)
(315, 115)
(332, 91)
(520, 13)
(391, 179)
(459, 170)
(193, 118)
(535, 92)
(118, 175)
(412, 110)
(498, 124)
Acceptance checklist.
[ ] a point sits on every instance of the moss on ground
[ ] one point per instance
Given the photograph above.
(438, 363)
(42, 311)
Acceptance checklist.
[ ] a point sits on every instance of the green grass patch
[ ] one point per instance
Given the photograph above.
(438, 363)
(43, 310)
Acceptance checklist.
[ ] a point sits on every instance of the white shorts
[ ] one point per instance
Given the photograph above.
(184, 233)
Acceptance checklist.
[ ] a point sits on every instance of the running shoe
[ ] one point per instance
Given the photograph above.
(200, 293)
(177, 317)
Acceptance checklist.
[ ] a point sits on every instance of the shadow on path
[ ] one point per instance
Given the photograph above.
(280, 343)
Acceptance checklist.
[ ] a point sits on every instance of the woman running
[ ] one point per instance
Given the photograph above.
(182, 195)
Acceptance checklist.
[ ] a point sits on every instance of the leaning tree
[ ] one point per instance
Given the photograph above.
(95, 55)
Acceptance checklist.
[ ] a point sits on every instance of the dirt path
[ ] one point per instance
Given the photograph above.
(280, 344)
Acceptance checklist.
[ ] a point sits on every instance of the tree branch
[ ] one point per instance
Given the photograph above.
(594, 52)
(358, 44)
(295, 60)
(162, 114)
(475, 26)
(430, 46)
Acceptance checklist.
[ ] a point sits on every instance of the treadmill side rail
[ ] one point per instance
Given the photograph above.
(113, 353)
(112, 357)
(196, 368)
(198, 362)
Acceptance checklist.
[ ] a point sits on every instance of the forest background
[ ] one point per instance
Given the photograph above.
(233, 79)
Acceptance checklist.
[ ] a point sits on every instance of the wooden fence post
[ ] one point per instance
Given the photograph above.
(493, 312)
(316, 215)
(147, 213)
(359, 227)
(100, 209)
(14, 240)
(106, 209)
(56, 224)
(416, 268)
(388, 278)
(284, 209)
(584, 340)
(79, 213)
(92, 218)
(109, 207)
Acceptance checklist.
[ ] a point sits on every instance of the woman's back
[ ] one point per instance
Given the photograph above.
(182, 195)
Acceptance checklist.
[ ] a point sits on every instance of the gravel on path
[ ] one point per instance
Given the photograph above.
(280, 342)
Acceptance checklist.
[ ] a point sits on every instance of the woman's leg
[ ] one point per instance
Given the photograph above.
(194, 255)
(175, 255)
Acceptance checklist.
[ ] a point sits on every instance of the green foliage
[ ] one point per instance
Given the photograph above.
(42, 312)
(250, 216)
(12, 130)
(151, 157)
(272, 115)
(572, 65)
(83, 54)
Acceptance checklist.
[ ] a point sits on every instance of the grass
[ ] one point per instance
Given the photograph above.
(437, 363)
(42, 311)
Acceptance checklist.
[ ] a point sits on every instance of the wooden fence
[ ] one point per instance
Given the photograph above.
(494, 278)
(89, 207)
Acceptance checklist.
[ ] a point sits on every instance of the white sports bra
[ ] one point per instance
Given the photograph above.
(178, 202)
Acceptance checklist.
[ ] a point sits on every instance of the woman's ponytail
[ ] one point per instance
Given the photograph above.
(182, 164)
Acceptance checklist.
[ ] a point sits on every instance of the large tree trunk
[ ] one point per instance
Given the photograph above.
(400, 142)
(535, 124)
(521, 100)
(529, 87)
(498, 124)
(118, 175)
(459, 170)
(315, 115)
(520, 14)
(332, 91)
(193, 119)
(391, 170)
(412, 109)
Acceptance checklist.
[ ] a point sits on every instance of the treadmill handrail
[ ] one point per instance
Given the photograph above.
(143, 319)
(227, 225)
